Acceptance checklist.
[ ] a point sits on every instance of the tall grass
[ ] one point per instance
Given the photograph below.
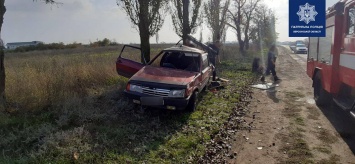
(35, 81)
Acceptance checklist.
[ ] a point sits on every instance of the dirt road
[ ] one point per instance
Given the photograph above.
(287, 126)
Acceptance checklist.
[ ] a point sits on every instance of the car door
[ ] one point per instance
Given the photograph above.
(206, 70)
(128, 62)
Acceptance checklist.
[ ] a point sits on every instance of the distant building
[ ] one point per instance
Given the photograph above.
(14, 45)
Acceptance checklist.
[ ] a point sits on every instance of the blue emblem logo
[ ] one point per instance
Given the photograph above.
(307, 13)
(307, 18)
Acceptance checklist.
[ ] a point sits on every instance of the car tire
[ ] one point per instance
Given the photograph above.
(192, 104)
(321, 96)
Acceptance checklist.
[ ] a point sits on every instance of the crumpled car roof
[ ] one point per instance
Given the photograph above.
(183, 48)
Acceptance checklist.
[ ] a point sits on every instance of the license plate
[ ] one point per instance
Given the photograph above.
(152, 101)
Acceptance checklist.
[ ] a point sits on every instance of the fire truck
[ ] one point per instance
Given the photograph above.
(331, 59)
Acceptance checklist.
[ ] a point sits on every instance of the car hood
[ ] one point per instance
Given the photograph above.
(164, 75)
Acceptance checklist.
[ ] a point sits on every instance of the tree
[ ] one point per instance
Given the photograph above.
(148, 17)
(264, 33)
(2, 67)
(180, 14)
(241, 20)
(216, 13)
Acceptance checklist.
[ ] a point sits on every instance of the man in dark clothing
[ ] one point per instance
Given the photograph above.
(212, 56)
(271, 59)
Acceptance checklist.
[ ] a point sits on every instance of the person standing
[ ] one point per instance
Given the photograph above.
(271, 59)
(213, 56)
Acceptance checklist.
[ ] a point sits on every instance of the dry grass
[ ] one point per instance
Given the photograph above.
(313, 112)
(323, 149)
(334, 159)
(37, 81)
(298, 151)
(326, 137)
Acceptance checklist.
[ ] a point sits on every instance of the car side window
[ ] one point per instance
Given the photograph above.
(204, 62)
(131, 53)
(351, 21)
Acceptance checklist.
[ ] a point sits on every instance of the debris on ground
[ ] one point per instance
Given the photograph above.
(219, 83)
(265, 86)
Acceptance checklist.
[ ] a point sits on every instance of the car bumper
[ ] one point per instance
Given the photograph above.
(157, 102)
(302, 51)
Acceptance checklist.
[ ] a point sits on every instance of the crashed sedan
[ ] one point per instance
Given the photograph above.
(171, 80)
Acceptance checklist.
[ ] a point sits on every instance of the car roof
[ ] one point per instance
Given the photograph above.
(182, 48)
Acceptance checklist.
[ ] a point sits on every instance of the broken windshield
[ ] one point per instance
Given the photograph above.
(178, 60)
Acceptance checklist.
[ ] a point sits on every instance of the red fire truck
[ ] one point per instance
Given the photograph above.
(331, 59)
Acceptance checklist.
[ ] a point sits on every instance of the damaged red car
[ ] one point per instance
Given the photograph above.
(171, 80)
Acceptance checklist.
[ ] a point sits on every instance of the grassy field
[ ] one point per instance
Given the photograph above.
(67, 106)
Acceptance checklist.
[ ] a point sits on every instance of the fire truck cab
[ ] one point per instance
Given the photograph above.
(331, 59)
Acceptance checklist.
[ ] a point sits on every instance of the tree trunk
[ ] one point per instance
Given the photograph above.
(239, 31)
(185, 22)
(2, 82)
(144, 31)
(246, 35)
(246, 42)
(145, 46)
(240, 41)
(241, 46)
(2, 67)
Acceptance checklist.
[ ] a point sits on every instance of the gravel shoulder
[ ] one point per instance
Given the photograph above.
(287, 126)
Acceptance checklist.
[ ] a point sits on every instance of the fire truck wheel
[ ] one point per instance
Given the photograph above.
(321, 96)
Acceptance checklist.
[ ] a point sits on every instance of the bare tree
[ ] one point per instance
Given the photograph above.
(241, 21)
(180, 14)
(216, 17)
(236, 19)
(148, 17)
(264, 33)
(248, 13)
(2, 67)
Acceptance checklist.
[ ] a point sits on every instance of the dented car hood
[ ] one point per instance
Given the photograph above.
(164, 75)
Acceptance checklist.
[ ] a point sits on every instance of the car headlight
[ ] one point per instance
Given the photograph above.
(135, 88)
(177, 93)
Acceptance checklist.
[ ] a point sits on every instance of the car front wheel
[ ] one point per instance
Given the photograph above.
(191, 106)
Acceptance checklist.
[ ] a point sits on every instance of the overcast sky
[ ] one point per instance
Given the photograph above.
(86, 21)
